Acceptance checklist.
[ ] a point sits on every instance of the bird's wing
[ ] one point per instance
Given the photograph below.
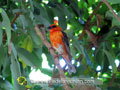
(66, 42)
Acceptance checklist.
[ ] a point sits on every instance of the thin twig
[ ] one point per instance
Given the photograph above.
(17, 15)
(108, 5)
(13, 21)
(88, 21)
(56, 59)
(94, 12)
(9, 44)
(112, 80)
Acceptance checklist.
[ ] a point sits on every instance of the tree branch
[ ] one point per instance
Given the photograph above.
(108, 5)
(112, 80)
(13, 21)
(56, 59)
(86, 29)
(9, 44)
(94, 12)
(17, 15)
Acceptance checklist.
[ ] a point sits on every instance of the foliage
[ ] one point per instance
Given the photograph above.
(17, 21)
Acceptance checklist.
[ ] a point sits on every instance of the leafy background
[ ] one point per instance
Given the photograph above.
(17, 21)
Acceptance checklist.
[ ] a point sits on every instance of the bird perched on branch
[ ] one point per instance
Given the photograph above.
(60, 43)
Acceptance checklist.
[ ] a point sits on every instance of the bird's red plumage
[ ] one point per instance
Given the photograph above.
(57, 42)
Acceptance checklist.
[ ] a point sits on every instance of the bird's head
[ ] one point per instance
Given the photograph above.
(54, 27)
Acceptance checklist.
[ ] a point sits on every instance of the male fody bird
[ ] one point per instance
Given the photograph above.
(60, 43)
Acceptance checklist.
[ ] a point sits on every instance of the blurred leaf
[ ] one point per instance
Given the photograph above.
(91, 2)
(15, 73)
(75, 8)
(35, 38)
(31, 4)
(37, 87)
(113, 88)
(28, 58)
(89, 62)
(60, 88)
(28, 45)
(2, 55)
(22, 21)
(81, 70)
(73, 51)
(6, 67)
(115, 22)
(111, 61)
(78, 45)
(50, 59)
(5, 85)
(14, 51)
(69, 33)
(114, 1)
(43, 17)
(106, 64)
(47, 71)
(38, 52)
(62, 20)
(6, 24)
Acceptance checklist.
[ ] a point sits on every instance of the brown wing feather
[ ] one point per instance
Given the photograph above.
(66, 42)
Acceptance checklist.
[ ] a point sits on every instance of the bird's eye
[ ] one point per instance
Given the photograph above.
(52, 27)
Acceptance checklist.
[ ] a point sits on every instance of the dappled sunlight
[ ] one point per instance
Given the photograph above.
(38, 76)
(98, 68)
(117, 62)
(45, 62)
(62, 62)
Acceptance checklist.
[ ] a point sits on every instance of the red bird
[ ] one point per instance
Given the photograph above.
(60, 43)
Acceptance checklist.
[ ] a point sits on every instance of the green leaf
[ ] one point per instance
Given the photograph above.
(115, 22)
(91, 2)
(99, 57)
(35, 38)
(22, 21)
(29, 58)
(15, 73)
(43, 17)
(2, 55)
(38, 52)
(14, 51)
(75, 8)
(6, 24)
(50, 59)
(73, 51)
(114, 1)
(28, 44)
(31, 4)
(76, 43)
(47, 71)
(6, 67)
(5, 85)
(111, 60)
(62, 20)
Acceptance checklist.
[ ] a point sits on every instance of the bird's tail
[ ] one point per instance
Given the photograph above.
(71, 68)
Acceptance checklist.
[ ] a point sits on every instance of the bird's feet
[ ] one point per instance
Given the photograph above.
(57, 56)
(51, 48)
